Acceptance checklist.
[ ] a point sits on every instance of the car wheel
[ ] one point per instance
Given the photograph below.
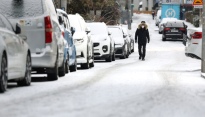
(4, 74)
(62, 70)
(54, 75)
(124, 55)
(164, 39)
(67, 64)
(113, 56)
(74, 67)
(92, 64)
(109, 59)
(86, 65)
(27, 78)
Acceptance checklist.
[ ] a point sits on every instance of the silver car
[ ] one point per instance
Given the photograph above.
(41, 30)
(15, 57)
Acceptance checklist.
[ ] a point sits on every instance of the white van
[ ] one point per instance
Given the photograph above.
(158, 18)
(41, 30)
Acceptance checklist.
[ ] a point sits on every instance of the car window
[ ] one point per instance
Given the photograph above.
(75, 23)
(173, 24)
(115, 32)
(95, 29)
(15, 9)
(6, 23)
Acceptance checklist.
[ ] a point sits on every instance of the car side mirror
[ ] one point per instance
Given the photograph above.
(87, 30)
(186, 26)
(60, 20)
(124, 36)
(72, 30)
(18, 29)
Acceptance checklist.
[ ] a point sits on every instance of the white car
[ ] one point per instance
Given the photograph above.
(164, 21)
(41, 30)
(103, 43)
(158, 18)
(194, 43)
(15, 56)
(129, 41)
(83, 41)
(121, 49)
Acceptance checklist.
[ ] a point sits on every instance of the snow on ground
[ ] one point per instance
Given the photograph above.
(167, 84)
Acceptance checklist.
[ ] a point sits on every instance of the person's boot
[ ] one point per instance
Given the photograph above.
(140, 57)
(143, 59)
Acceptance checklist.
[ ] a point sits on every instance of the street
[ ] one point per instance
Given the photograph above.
(166, 84)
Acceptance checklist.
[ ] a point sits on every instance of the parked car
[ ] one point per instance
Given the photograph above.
(132, 43)
(70, 50)
(103, 44)
(164, 21)
(129, 41)
(174, 30)
(41, 30)
(193, 43)
(15, 56)
(83, 41)
(120, 42)
(158, 17)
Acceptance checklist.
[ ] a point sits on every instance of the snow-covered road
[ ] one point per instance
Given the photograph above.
(167, 84)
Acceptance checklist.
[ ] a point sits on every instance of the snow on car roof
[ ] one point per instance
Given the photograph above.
(165, 20)
(95, 28)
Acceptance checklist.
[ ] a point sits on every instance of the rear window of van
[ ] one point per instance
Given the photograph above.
(15, 9)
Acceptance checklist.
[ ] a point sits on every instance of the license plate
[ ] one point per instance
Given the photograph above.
(174, 30)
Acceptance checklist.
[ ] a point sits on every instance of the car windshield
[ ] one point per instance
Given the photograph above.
(74, 22)
(174, 24)
(115, 32)
(95, 29)
(15, 9)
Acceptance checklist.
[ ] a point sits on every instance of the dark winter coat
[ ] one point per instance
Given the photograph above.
(142, 35)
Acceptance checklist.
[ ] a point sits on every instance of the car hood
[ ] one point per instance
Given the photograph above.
(119, 40)
(97, 38)
(79, 35)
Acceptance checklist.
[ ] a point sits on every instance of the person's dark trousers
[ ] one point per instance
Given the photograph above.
(142, 50)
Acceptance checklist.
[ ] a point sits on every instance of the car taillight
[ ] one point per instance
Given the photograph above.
(166, 29)
(63, 34)
(182, 29)
(48, 30)
(197, 35)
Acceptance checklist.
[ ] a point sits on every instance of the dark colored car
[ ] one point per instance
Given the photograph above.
(174, 30)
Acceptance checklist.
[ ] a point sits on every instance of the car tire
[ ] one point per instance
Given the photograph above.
(4, 74)
(109, 59)
(67, 67)
(92, 64)
(62, 70)
(160, 32)
(86, 65)
(124, 55)
(113, 56)
(27, 78)
(164, 39)
(54, 75)
(73, 68)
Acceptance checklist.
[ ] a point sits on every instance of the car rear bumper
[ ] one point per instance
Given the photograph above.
(173, 36)
(45, 61)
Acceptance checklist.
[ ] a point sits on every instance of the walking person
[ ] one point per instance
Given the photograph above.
(153, 14)
(142, 37)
